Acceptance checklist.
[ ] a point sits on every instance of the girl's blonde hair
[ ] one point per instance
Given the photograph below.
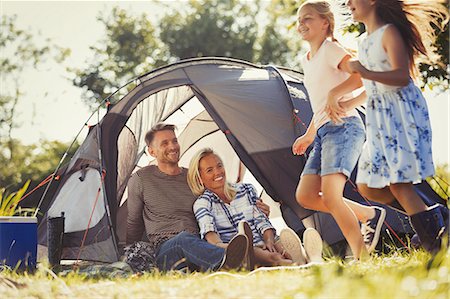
(194, 179)
(325, 10)
(417, 22)
(334, 13)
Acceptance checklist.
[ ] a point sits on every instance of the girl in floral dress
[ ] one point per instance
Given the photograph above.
(397, 152)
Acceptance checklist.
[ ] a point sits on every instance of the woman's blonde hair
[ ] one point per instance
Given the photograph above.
(194, 179)
(417, 21)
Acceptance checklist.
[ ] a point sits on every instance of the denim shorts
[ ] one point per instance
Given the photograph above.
(336, 148)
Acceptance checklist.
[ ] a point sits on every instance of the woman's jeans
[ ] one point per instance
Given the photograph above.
(187, 250)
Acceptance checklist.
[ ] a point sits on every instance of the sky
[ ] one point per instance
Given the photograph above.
(51, 107)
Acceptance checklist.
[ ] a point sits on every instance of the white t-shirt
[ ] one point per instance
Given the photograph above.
(321, 75)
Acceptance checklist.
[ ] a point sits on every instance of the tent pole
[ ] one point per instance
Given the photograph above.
(105, 199)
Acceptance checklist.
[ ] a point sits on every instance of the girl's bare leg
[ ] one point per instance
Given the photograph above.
(332, 188)
(308, 195)
(408, 198)
(383, 195)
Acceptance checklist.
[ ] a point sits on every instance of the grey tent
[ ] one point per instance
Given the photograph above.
(250, 114)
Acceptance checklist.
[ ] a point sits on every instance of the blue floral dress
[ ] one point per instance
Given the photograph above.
(398, 144)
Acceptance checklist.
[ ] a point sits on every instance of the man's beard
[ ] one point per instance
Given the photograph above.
(172, 159)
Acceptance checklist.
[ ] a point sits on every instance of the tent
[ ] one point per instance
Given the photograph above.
(250, 114)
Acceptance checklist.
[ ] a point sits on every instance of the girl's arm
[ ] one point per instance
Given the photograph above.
(349, 85)
(333, 109)
(397, 55)
(354, 102)
(301, 143)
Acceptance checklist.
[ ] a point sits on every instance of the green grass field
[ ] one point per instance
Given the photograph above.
(408, 275)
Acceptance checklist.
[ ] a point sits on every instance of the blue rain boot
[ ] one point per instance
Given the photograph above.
(430, 228)
(445, 214)
(415, 240)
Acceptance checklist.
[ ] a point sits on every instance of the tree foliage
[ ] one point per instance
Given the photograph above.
(129, 48)
(227, 28)
(212, 28)
(279, 43)
(30, 162)
(19, 52)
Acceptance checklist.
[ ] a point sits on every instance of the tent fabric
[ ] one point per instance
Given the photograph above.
(126, 159)
(77, 199)
(250, 114)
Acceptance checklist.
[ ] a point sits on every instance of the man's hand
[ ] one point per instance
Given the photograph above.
(263, 207)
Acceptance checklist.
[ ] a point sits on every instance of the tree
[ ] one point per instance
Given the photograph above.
(31, 162)
(279, 43)
(129, 48)
(19, 162)
(227, 28)
(18, 52)
(212, 28)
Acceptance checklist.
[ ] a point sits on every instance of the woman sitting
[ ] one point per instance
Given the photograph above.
(223, 210)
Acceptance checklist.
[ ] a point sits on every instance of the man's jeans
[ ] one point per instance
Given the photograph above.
(188, 250)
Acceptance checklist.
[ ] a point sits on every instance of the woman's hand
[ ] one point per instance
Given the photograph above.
(269, 245)
(333, 109)
(269, 237)
(301, 144)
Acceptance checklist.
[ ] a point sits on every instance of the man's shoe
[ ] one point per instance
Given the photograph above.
(313, 245)
(371, 229)
(244, 229)
(235, 253)
(293, 246)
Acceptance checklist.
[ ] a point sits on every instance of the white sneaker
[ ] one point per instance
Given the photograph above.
(293, 246)
(313, 245)
(372, 228)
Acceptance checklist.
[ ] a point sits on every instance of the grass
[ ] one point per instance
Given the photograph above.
(396, 275)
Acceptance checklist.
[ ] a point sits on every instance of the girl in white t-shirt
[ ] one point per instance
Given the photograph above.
(336, 131)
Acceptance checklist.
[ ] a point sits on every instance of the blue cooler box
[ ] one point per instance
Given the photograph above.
(18, 242)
